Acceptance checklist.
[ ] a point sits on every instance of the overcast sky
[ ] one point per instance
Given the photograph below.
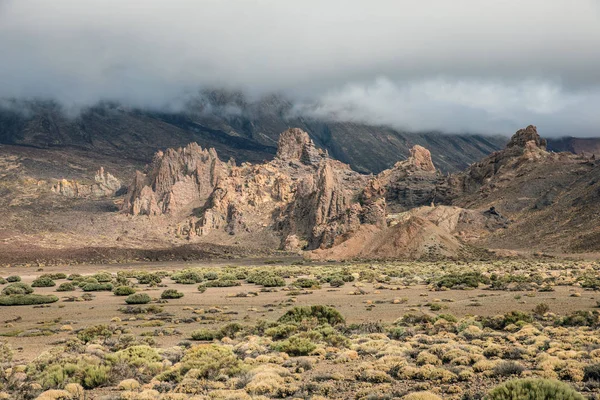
(462, 65)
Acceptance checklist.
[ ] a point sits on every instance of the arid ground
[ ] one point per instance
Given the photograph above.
(291, 328)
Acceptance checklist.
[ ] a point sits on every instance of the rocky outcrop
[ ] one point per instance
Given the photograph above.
(106, 185)
(525, 146)
(295, 145)
(408, 184)
(176, 181)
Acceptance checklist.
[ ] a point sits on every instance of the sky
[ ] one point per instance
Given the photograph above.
(455, 66)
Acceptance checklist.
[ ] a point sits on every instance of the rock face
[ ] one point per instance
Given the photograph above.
(106, 185)
(525, 146)
(295, 145)
(176, 180)
(409, 184)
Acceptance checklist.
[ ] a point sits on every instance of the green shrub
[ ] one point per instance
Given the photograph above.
(464, 280)
(534, 389)
(90, 333)
(138, 298)
(97, 287)
(266, 279)
(210, 361)
(17, 288)
(72, 277)
(508, 368)
(211, 276)
(221, 283)
(65, 287)
(138, 356)
(55, 276)
(26, 299)
(204, 334)
(171, 294)
(13, 278)
(123, 291)
(592, 373)
(323, 314)
(187, 277)
(148, 279)
(336, 282)
(43, 281)
(295, 346)
(2, 281)
(579, 318)
(306, 283)
(281, 331)
(103, 277)
(95, 376)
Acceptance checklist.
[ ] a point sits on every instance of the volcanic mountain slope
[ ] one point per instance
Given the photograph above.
(552, 199)
(231, 124)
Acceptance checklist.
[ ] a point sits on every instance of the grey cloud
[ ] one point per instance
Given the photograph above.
(463, 65)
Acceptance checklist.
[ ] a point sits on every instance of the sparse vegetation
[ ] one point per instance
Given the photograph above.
(138, 298)
(260, 342)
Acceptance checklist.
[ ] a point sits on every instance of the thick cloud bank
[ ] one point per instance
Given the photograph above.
(464, 65)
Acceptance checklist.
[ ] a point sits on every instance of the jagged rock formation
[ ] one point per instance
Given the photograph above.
(410, 183)
(302, 197)
(106, 185)
(525, 146)
(176, 180)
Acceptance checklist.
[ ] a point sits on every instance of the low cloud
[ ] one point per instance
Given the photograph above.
(464, 65)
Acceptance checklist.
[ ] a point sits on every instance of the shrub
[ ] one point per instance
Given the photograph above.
(467, 279)
(171, 294)
(211, 276)
(56, 276)
(508, 368)
(26, 299)
(579, 318)
(188, 277)
(541, 309)
(97, 287)
(65, 287)
(43, 281)
(95, 376)
(266, 279)
(17, 288)
(13, 278)
(281, 331)
(538, 389)
(592, 373)
(204, 334)
(138, 298)
(123, 291)
(73, 277)
(323, 314)
(222, 283)
(336, 282)
(295, 346)
(148, 279)
(306, 283)
(421, 396)
(2, 281)
(138, 356)
(88, 334)
(103, 277)
(210, 360)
